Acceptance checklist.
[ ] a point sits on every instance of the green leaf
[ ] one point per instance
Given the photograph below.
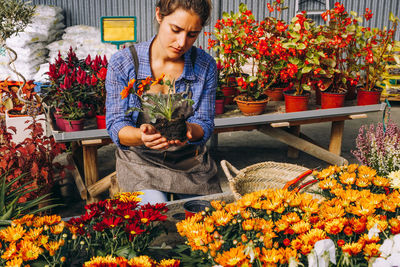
(306, 87)
(301, 46)
(306, 69)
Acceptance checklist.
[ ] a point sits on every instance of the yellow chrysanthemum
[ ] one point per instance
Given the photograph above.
(291, 217)
(127, 197)
(168, 263)
(327, 184)
(362, 208)
(329, 213)
(143, 261)
(248, 225)
(363, 182)
(221, 217)
(12, 233)
(16, 262)
(270, 256)
(33, 234)
(232, 257)
(372, 250)
(57, 229)
(53, 246)
(100, 261)
(301, 227)
(335, 226)
(26, 220)
(352, 248)
(10, 252)
(313, 236)
(29, 251)
(380, 181)
(347, 178)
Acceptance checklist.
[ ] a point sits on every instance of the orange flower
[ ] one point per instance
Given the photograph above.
(12, 233)
(158, 80)
(352, 248)
(169, 263)
(234, 257)
(347, 178)
(372, 250)
(29, 251)
(334, 227)
(127, 89)
(16, 262)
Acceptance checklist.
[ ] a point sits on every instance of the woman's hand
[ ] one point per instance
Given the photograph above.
(151, 138)
(194, 132)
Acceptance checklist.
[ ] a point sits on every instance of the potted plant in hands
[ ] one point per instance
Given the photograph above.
(342, 42)
(378, 43)
(164, 110)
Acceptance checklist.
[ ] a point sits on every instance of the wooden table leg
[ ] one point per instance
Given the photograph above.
(335, 145)
(292, 152)
(90, 167)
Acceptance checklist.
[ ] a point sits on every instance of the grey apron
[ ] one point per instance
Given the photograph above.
(187, 169)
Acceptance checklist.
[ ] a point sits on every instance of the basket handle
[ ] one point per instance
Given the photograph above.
(228, 168)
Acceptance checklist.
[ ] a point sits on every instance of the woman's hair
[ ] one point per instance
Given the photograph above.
(200, 7)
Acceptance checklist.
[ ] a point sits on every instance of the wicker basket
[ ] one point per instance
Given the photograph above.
(263, 175)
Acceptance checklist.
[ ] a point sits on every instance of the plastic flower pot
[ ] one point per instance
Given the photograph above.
(365, 97)
(332, 100)
(219, 106)
(229, 93)
(192, 207)
(73, 125)
(101, 121)
(295, 103)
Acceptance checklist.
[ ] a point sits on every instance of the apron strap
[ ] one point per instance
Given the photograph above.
(135, 57)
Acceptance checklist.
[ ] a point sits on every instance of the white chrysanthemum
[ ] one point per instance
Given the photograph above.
(394, 178)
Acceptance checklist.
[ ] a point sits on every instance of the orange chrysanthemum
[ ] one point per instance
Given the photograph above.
(127, 89)
(234, 257)
(29, 251)
(12, 233)
(158, 80)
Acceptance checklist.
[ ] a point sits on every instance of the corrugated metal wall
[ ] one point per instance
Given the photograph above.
(88, 12)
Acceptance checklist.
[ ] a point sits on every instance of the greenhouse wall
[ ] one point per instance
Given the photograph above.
(88, 12)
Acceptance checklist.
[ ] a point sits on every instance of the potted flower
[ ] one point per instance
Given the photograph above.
(303, 64)
(238, 35)
(76, 88)
(100, 96)
(378, 43)
(164, 110)
(342, 45)
(271, 56)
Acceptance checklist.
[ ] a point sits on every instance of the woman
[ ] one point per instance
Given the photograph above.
(147, 161)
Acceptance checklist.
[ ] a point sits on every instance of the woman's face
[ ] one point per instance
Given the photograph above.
(178, 31)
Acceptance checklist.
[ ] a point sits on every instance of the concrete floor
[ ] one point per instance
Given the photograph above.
(244, 148)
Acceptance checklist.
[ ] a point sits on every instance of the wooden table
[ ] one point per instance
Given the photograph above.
(284, 127)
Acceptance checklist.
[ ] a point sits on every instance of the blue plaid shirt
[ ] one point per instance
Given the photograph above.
(121, 69)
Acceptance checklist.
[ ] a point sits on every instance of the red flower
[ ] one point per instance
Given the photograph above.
(112, 222)
(133, 230)
(102, 73)
(286, 241)
(340, 242)
(368, 14)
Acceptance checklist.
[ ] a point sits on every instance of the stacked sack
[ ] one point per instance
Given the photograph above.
(47, 25)
(84, 40)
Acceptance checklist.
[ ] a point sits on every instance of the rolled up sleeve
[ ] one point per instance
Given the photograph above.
(116, 118)
(204, 113)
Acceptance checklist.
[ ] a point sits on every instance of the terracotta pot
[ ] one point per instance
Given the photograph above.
(295, 103)
(274, 94)
(251, 108)
(332, 100)
(219, 106)
(194, 206)
(229, 93)
(101, 121)
(365, 97)
(73, 125)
